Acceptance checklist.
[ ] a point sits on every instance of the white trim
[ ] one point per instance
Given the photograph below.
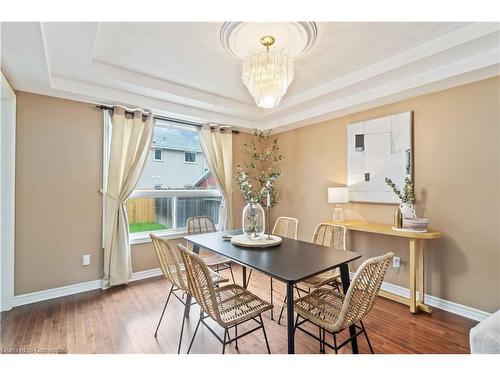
(183, 193)
(143, 237)
(43, 295)
(428, 67)
(453, 307)
(7, 192)
(146, 274)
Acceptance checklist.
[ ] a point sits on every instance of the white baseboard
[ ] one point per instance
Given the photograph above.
(453, 307)
(439, 303)
(146, 274)
(42, 295)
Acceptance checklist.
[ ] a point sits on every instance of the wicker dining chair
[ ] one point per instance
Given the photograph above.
(205, 224)
(330, 235)
(228, 306)
(174, 271)
(284, 227)
(332, 312)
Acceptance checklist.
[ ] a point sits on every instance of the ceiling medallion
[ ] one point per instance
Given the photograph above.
(268, 73)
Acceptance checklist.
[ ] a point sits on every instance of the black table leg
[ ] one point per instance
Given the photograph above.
(346, 281)
(187, 307)
(244, 277)
(289, 318)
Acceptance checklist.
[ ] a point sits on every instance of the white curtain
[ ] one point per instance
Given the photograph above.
(130, 141)
(217, 145)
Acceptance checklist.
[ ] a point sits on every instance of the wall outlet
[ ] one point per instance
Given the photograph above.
(85, 260)
(396, 262)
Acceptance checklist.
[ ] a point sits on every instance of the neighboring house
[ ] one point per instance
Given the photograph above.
(175, 160)
(207, 180)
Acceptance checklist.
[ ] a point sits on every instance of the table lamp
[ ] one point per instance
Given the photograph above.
(338, 195)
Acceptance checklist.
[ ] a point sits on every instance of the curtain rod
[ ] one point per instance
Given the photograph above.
(163, 118)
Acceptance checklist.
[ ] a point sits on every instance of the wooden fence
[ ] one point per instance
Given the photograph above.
(141, 210)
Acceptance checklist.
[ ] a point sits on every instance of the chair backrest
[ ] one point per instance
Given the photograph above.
(200, 283)
(363, 290)
(200, 224)
(170, 262)
(286, 227)
(331, 235)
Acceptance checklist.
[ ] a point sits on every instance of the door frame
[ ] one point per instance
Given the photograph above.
(7, 192)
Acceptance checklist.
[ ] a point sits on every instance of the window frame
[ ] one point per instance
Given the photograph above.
(154, 154)
(174, 233)
(143, 237)
(195, 157)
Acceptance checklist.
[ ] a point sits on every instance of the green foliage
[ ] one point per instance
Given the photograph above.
(145, 227)
(408, 195)
(259, 174)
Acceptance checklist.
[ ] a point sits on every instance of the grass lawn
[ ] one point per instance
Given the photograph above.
(145, 227)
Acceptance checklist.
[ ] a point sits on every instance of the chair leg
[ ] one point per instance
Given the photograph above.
(367, 339)
(194, 334)
(265, 336)
(224, 341)
(284, 303)
(249, 276)
(282, 309)
(335, 343)
(321, 340)
(295, 325)
(182, 331)
(236, 336)
(272, 310)
(164, 308)
(232, 275)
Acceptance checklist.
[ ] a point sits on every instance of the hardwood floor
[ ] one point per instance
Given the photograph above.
(123, 320)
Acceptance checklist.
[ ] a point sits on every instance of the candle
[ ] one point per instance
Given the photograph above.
(268, 199)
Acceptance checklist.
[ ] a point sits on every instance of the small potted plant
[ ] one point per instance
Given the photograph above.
(407, 198)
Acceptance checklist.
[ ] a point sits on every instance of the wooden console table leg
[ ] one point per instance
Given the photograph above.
(413, 275)
(421, 271)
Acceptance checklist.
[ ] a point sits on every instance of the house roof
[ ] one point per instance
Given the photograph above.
(175, 139)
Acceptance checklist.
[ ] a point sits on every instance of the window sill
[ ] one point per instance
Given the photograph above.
(143, 237)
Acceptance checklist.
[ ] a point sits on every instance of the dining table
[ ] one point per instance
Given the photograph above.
(290, 262)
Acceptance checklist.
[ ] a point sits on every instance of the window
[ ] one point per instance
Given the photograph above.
(167, 194)
(157, 156)
(189, 157)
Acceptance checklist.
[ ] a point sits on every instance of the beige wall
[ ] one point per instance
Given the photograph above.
(58, 205)
(456, 143)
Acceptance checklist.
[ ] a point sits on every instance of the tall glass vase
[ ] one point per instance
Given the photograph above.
(253, 221)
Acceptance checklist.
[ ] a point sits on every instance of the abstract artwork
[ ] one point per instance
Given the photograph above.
(377, 149)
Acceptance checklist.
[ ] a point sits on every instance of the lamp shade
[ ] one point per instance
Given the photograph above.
(338, 195)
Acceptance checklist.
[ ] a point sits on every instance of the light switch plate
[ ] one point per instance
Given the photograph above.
(396, 262)
(85, 260)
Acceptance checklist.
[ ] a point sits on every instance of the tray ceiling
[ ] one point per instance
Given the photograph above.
(185, 69)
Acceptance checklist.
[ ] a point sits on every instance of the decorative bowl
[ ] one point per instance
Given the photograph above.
(418, 223)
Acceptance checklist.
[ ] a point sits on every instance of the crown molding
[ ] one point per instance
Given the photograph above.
(474, 68)
(465, 55)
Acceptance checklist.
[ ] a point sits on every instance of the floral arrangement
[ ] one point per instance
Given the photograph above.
(408, 195)
(257, 177)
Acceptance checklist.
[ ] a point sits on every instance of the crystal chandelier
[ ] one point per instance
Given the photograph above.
(267, 74)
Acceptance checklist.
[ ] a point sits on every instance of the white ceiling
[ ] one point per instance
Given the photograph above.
(182, 70)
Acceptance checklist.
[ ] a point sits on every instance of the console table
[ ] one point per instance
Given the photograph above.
(417, 264)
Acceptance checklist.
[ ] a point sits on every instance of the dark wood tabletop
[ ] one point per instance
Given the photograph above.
(291, 261)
